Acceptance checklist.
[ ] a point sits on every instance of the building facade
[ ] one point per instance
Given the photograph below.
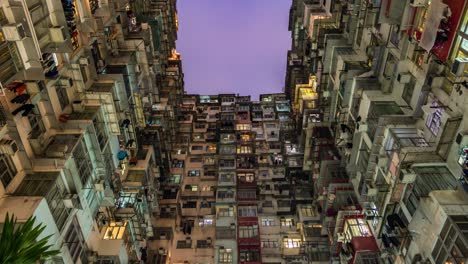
(362, 158)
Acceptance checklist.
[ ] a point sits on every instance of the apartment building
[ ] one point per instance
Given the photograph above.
(77, 78)
(380, 97)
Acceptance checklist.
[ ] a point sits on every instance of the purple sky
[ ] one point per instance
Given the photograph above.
(234, 46)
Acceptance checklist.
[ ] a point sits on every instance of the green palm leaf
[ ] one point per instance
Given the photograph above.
(19, 243)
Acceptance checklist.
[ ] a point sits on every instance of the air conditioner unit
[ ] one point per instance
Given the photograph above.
(99, 185)
(58, 34)
(8, 147)
(65, 82)
(458, 66)
(78, 106)
(72, 201)
(84, 61)
(404, 77)
(407, 176)
(14, 32)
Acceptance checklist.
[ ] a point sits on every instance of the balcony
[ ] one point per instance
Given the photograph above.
(246, 162)
(169, 196)
(225, 195)
(248, 234)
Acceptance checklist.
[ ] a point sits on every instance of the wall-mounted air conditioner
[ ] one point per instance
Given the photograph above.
(458, 66)
(78, 106)
(407, 176)
(8, 147)
(65, 82)
(58, 34)
(72, 201)
(404, 77)
(14, 32)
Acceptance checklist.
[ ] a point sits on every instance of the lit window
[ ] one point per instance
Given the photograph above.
(268, 243)
(292, 242)
(193, 173)
(114, 231)
(268, 222)
(286, 222)
(225, 255)
(307, 211)
(243, 127)
(244, 149)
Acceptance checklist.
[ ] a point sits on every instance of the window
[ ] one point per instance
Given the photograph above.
(226, 178)
(225, 255)
(248, 211)
(246, 177)
(205, 204)
(408, 90)
(7, 169)
(205, 222)
(292, 242)
(247, 194)
(244, 149)
(225, 195)
(248, 231)
(203, 244)
(192, 188)
(227, 149)
(249, 255)
(286, 222)
(307, 211)
(227, 163)
(207, 188)
(187, 243)
(36, 123)
(450, 246)
(190, 204)
(228, 100)
(197, 148)
(193, 173)
(196, 160)
(269, 243)
(115, 231)
(209, 161)
(226, 211)
(268, 222)
(62, 97)
(83, 163)
(243, 127)
(433, 121)
(75, 242)
(200, 125)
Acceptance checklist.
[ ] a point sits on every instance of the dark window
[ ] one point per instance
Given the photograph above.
(75, 242)
(62, 97)
(7, 168)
